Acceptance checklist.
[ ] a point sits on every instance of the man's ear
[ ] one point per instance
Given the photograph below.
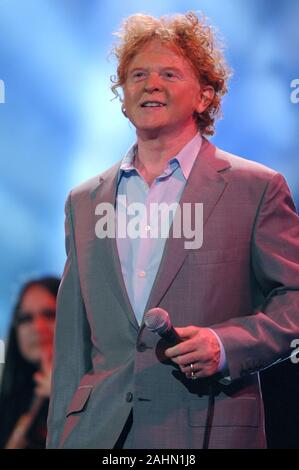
(207, 94)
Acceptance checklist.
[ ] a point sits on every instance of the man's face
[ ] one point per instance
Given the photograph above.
(161, 91)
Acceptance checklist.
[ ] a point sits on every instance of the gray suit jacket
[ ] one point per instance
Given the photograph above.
(243, 282)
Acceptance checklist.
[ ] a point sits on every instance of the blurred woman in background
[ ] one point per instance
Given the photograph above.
(26, 379)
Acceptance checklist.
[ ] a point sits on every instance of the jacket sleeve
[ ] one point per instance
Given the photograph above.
(72, 338)
(257, 340)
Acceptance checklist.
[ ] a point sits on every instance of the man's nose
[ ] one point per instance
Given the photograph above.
(153, 83)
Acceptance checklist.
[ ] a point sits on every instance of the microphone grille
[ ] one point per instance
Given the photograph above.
(157, 320)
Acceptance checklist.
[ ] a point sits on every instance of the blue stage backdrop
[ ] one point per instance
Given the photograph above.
(58, 125)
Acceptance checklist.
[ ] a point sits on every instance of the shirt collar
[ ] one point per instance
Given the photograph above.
(185, 158)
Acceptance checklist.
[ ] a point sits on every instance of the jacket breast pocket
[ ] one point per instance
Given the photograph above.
(80, 399)
(226, 255)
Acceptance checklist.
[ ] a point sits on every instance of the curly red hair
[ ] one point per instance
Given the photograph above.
(195, 41)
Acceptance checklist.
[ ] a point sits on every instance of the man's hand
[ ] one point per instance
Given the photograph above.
(200, 348)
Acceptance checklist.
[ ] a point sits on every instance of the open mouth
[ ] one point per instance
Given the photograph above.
(152, 104)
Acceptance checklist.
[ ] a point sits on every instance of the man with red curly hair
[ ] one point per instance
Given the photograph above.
(233, 301)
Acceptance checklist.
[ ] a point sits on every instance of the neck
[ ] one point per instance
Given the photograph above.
(154, 150)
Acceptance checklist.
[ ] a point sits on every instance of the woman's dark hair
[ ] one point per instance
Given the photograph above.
(17, 379)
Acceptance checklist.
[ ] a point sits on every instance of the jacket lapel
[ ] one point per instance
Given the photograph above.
(106, 253)
(205, 185)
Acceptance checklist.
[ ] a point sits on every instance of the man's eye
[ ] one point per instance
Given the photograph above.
(170, 74)
(138, 74)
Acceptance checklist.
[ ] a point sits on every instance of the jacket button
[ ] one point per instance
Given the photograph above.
(129, 397)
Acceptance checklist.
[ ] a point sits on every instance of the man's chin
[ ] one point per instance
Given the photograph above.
(151, 131)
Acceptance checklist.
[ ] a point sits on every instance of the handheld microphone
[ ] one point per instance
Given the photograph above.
(157, 320)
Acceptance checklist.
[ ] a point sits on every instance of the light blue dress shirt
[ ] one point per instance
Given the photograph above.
(140, 257)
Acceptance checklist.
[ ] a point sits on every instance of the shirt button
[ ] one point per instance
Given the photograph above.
(147, 228)
(142, 274)
(129, 397)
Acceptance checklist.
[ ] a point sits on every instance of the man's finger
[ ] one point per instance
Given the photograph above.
(196, 365)
(187, 332)
(180, 349)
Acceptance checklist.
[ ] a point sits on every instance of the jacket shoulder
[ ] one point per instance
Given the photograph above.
(242, 168)
(90, 185)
